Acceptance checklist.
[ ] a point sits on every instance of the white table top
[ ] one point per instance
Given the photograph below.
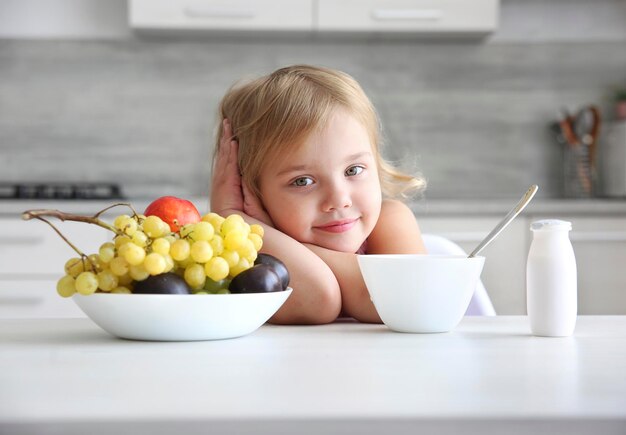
(68, 376)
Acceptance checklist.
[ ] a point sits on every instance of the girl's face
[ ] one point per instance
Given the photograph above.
(327, 191)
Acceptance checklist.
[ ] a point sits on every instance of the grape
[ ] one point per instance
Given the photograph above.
(204, 255)
(121, 240)
(119, 266)
(195, 276)
(242, 265)
(165, 283)
(153, 227)
(161, 246)
(74, 266)
(235, 239)
(140, 239)
(169, 263)
(231, 257)
(107, 280)
(133, 254)
(278, 266)
(87, 283)
(120, 221)
(180, 250)
(217, 243)
(126, 279)
(138, 272)
(154, 263)
(215, 220)
(94, 260)
(203, 231)
(66, 286)
(232, 223)
(258, 279)
(186, 230)
(126, 224)
(107, 252)
(257, 241)
(201, 251)
(247, 251)
(214, 286)
(257, 229)
(216, 268)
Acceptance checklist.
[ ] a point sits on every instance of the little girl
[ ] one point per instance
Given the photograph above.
(298, 152)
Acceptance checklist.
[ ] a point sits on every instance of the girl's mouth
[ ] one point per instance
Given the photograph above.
(337, 226)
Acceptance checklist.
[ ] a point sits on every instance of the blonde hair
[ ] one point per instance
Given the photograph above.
(272, 115)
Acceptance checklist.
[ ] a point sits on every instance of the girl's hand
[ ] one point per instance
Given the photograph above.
(253, 207)
(226, 188)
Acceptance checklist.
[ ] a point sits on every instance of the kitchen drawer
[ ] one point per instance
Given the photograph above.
(34, 299)
(30, 248)
(460, 16)
(222, 14)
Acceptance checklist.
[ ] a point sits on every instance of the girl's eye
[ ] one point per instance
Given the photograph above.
(302, 181)
(354, 170)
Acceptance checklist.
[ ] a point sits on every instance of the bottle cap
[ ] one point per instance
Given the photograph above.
(551, 225)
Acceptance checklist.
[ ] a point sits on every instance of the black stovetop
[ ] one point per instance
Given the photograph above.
(60, 191)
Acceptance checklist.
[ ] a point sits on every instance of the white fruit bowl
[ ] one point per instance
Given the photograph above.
(421, 293)
(157, 317)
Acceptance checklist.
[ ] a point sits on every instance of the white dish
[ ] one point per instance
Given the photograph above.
(421, 293)
(157, 317)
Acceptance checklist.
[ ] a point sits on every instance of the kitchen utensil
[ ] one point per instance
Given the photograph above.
(523, 202)
(159, 317)
(420, 293)
(587, 129)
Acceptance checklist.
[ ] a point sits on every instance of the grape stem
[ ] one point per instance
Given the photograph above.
(39, 213)
(42, 214)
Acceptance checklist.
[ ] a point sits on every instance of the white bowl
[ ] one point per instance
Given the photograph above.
(421, 293)
(159, 317)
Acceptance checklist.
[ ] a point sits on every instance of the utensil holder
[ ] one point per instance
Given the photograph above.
(579, 176)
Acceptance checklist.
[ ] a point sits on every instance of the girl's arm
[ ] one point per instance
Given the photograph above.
(315, 298)
(396, 232)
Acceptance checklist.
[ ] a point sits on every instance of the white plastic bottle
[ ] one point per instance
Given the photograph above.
(551, 283)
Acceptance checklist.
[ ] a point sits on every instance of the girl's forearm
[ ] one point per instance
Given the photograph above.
(315, 298)
(355, 298)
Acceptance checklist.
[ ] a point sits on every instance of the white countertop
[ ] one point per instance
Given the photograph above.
(424, 207)
(486, 376)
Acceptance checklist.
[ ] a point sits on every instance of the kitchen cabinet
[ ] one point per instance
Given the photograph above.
(32, 257)
(600, 248)
(414, 16)
(240, 15)
(360, 16)
(599, 245)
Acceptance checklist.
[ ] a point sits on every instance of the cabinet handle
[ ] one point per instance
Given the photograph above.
(598, 236)
(407, 14)
(21, 240)
(213, 12)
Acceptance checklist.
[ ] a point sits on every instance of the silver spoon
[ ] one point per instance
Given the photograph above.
(507, 219)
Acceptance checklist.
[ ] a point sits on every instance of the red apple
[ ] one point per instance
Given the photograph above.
(176, 212)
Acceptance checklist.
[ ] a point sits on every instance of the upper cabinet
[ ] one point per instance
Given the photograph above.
(408, 16)
(240, 15)
(433, 17)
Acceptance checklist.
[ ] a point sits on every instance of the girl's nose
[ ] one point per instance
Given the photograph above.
(337, 198)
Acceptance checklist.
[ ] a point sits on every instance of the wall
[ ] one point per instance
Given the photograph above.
(80, 102)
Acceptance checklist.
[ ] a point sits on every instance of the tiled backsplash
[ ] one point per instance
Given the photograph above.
(471, 116)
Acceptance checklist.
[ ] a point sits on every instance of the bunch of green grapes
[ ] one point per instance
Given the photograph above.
(207, 254)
